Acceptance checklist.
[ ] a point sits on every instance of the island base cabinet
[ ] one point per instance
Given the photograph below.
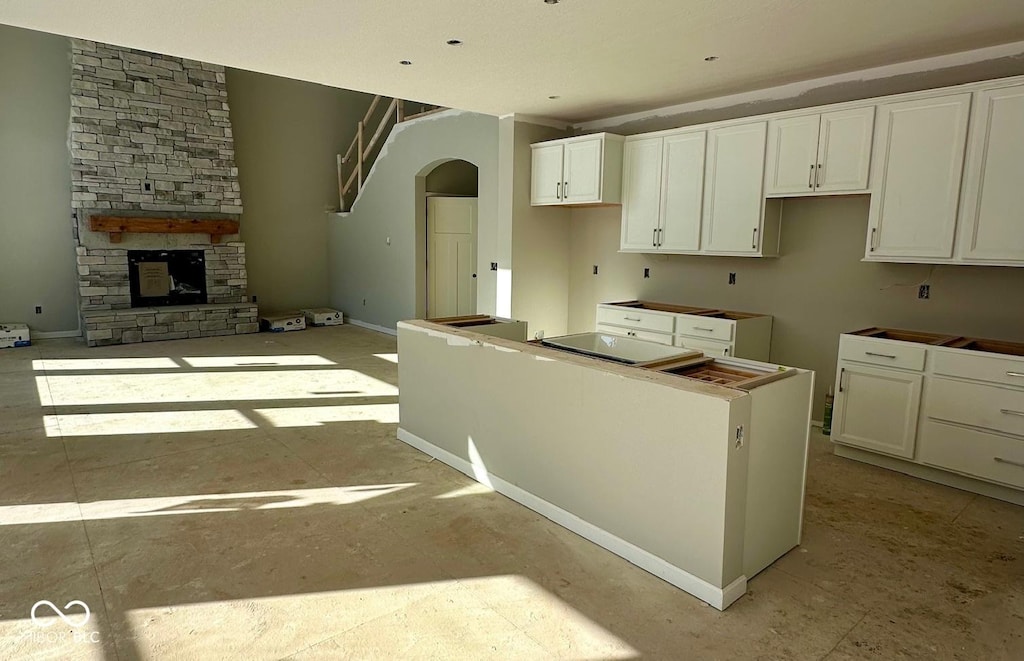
(877, 408)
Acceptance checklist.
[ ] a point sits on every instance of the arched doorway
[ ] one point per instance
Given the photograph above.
(450, 233)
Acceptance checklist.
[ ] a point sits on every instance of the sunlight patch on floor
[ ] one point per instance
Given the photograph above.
(83, 364)
(390, 357)
(474, 489)
(145, 422)
(257, 361)
(11, 515)
(98, 389)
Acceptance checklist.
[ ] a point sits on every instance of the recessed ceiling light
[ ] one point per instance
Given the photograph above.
(454, 42)
(551, 2)
(710, 58)
(405, 63)
(554, 96)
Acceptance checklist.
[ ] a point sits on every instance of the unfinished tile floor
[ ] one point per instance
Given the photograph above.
(245, 497)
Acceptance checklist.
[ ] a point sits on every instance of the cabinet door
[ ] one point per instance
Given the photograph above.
(733, 198)
(641, 194)
(582, 171)
(844, 150)
(918, 163)
(546, 175)
(792, 155)
(682, 192)
(993, 210)
(876, 409)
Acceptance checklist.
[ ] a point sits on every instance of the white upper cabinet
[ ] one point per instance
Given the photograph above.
(844, 150)
(734, 188)
(917, 165)
(792, 154)
(641, 194)
(821, 153)
(682, 192)
(546, 174)
(576, 171)
(992, 216)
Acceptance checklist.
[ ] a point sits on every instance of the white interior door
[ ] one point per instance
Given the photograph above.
(451, 256)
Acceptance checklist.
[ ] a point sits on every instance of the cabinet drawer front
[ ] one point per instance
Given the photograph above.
(640, 319)
(975, 404)
(648, 336)
(705, 327)
(709, 347)
(975, 453)
(887, 354)
(612, 330)
(966, 365)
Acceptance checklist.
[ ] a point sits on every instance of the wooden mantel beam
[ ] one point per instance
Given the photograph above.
(118, 225)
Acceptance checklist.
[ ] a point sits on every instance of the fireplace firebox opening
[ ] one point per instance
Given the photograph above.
(159, 278)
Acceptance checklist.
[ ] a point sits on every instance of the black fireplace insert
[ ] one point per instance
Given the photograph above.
(159, 278)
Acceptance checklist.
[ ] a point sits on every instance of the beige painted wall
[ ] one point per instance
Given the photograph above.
(540, 245)
(287, 136)
(377, 250)
(816, 290)
(37, 255)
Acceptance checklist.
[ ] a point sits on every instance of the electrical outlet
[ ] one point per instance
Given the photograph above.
(147, 187)
(254, 298)
(924, 291)
(494, 266)
(364, 301)
(732, 278)
(39, 309)
(647, 272)
(595, 269)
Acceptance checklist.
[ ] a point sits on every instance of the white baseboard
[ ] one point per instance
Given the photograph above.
(373, 327)
(720, 598)
(52, 335)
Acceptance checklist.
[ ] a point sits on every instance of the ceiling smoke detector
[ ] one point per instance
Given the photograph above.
(711, 58)
(551, 2)
(405, 63)
(454, 42)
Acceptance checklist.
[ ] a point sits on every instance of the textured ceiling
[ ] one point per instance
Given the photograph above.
(600, 57)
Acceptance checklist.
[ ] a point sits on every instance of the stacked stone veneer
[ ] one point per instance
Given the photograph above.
(139, 118)
(150, 136)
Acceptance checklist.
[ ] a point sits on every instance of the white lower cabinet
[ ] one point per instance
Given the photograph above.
(877, 408)
(718, 333)
(952, 404)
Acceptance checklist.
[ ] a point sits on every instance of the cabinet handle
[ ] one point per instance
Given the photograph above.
(753, 240)
(842, 372)
(558, 190)
(654, 238)
(1011, 412)
(880, 355)
(661, 239)
(1019, 375)
(810, 177)
(706, 330)
(873, 235)
(565, 189)
(1000, 460)
(632, 318)
(817, 175)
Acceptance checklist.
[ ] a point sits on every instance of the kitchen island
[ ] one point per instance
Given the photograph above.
(690, 468)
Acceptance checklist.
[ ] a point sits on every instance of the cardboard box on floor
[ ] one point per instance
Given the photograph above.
(14, 335)
(323, 317)
(280, 323)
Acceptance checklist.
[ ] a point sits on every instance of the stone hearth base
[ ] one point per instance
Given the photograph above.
(104, 327)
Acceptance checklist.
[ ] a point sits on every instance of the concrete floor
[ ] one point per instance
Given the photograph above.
(245, 497)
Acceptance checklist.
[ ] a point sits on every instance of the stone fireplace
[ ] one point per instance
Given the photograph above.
(156, 198)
